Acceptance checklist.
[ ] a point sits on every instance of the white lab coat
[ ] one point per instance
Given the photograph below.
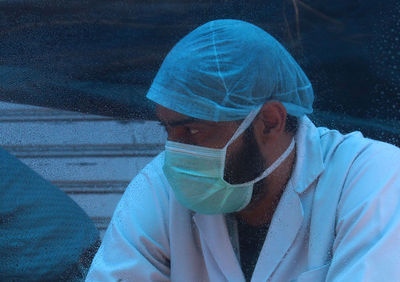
(338, 220)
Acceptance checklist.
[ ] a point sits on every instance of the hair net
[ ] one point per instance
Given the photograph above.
(224, 69)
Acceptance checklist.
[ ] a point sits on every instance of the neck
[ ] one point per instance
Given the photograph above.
(269, 191)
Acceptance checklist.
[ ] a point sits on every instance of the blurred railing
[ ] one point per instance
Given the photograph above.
(91, 158)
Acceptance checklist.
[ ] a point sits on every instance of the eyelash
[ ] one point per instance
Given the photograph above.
(192, 131)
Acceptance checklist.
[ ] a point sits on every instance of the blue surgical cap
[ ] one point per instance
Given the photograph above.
(224, 69)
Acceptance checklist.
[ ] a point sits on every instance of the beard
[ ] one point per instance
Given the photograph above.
(246, 164)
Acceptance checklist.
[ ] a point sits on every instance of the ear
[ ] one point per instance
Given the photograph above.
(270, 122)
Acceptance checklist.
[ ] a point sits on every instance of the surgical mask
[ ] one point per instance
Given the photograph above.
(196, 175)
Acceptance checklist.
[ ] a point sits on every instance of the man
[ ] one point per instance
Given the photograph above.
(248, 188)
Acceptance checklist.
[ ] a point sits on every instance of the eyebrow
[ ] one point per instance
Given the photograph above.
(179, 122)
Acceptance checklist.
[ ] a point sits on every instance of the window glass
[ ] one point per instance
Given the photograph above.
(74, 117)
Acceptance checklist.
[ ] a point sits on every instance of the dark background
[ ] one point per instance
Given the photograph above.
(100, 57)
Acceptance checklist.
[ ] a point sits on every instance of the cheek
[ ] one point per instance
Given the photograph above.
(214, 138)
(215, 141)
(211, 137)
(234, 149)
(178, 134)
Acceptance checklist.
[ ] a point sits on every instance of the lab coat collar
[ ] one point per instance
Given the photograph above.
(289, 215)
(217, 247)
(309, 160)
(285, 224)
(282, 232)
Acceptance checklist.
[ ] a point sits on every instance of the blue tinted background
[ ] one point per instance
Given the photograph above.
(101, 56)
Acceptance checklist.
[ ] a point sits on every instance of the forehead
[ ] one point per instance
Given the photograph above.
(169, 116)
(165, 114)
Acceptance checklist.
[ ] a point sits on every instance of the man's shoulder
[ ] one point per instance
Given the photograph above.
(151, 177)
(363, 166)
(155, 165)
(352, 158)
(354, 146)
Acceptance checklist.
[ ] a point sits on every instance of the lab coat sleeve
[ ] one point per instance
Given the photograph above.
(367, 242)
(136, 246)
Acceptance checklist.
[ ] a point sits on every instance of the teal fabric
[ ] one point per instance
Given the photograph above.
(44, 234)
(226, 68)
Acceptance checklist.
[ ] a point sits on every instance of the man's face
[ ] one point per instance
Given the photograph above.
(244, 160)
(184, 129)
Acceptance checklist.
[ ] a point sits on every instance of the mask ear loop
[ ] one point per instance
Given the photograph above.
(275, 164)
(242, 127)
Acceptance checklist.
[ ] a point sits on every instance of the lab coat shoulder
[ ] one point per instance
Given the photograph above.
(136, 244)
(366, 246)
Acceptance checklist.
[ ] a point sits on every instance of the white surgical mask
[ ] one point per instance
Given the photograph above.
(196, 175)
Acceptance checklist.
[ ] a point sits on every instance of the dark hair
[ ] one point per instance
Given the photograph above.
(292, 124)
